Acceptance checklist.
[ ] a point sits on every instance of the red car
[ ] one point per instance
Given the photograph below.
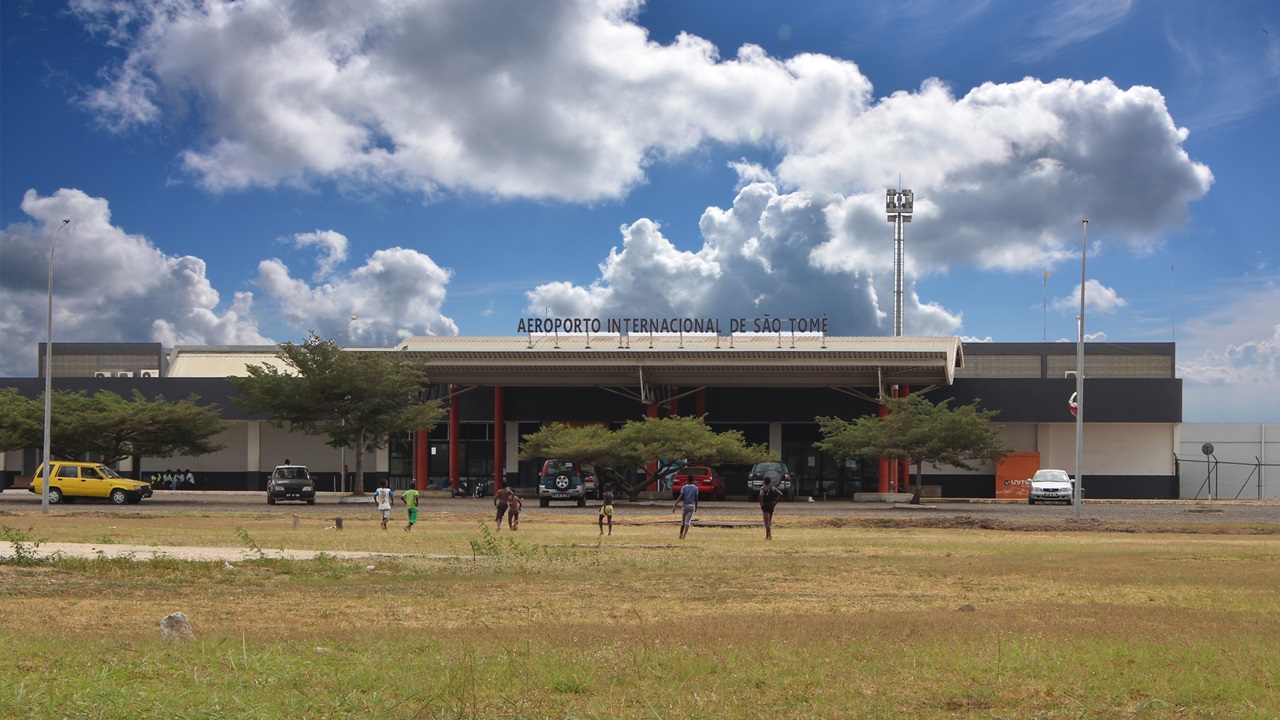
(709, 482)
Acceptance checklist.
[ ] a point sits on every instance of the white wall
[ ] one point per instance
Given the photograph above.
(1247, 459)
(1109, 448)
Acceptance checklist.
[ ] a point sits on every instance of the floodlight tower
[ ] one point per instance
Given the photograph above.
(898, 204)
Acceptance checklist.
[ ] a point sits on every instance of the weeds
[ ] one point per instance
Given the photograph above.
(249, 543)
(508, 548)
(512, 554)
(25, 548)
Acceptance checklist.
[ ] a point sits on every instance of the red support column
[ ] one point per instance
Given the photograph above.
(455, 441)
(885, 481)
(904, 465)
(421, 453)
(499, 441)
(700, 402)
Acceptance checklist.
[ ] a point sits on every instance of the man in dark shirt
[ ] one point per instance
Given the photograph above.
(769, 496)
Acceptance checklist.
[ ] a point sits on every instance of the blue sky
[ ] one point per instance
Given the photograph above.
(244, 172)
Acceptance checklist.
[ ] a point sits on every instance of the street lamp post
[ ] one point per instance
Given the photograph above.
(48, 375)
(1079, 484)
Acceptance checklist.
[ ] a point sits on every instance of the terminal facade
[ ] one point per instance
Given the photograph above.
(768, 387)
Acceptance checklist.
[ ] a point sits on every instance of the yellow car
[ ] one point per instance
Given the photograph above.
(73, 480)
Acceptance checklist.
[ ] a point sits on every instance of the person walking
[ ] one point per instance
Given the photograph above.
(383, 497)
(769, 496)
(689, 501)
(606, 508)
(513, 513)
(410, 498)
(502, 501)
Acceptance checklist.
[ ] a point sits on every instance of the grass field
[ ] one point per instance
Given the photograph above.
(555, 622)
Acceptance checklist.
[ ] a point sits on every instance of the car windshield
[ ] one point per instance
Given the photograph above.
(770, 467)
(1052, 476)
(559, 466)
(108, 472)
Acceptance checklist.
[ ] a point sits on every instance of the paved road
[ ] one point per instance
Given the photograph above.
(333, 504)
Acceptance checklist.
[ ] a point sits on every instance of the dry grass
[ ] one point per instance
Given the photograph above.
(822, 622)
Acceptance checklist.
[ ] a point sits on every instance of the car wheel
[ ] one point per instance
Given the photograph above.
(135, 500)
(311, 501)
(119, 497)
(271, 500)
(720, 496)
(55, 496)
(544, 502)
(1031, 501)
(790, 496)
(582, 501)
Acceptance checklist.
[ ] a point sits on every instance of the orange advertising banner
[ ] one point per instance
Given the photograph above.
(1013, 475)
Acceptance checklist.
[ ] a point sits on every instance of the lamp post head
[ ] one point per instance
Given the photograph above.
(899, 201)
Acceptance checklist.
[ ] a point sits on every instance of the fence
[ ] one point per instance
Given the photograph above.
(1207, 477)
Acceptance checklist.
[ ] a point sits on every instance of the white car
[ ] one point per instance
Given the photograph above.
(1051, 486)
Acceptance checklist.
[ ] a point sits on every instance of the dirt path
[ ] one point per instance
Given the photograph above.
(199, 554)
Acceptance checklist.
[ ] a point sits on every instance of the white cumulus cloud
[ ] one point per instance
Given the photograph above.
(1097, 298)
(761, 256)
(396, 293)
(108, 286)
(564, 98)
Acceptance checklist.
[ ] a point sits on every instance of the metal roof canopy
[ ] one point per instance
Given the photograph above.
(674, 360)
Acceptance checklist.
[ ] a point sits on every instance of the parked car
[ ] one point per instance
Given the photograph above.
(561, 480)
(780, 477)
(71, 480)
(291, 482)
(709, 482)
(591, 481)
(1051, 486)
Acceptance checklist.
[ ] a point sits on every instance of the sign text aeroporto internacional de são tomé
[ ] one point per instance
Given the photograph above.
(670, 326)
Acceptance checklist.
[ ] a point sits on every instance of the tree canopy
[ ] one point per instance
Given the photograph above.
(918, 431)
(354, 399)
(656, 448)
(105, 424)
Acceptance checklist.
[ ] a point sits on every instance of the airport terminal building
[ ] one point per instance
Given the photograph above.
(768, 387)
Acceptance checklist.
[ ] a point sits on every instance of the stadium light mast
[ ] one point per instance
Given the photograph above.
(48, 375)
(898, 204)
(1079, 484)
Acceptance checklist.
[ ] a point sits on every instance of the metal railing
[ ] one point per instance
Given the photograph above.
(1216, 479)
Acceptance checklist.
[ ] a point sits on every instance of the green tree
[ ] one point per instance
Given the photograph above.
(105, 424)
(355, 399)
(656, 448)
(918, 431)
